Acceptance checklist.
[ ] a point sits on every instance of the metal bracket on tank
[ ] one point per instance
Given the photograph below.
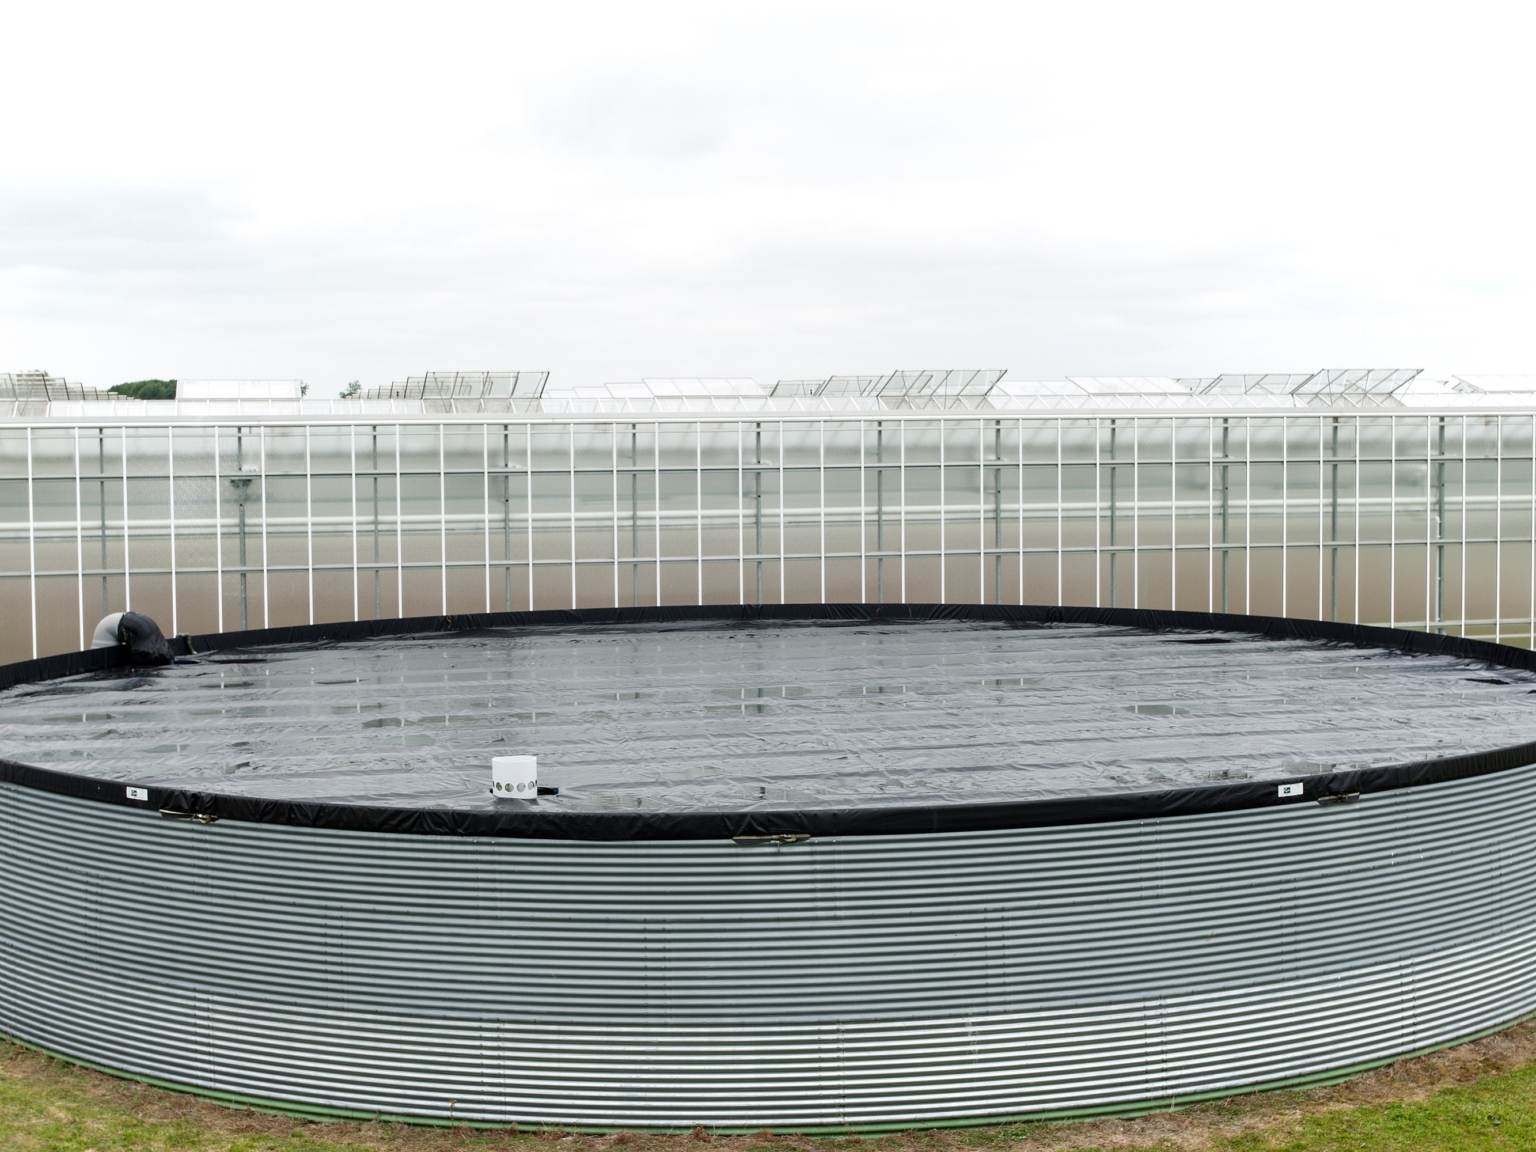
(200, 817)
(1339, 798)
(776, 838)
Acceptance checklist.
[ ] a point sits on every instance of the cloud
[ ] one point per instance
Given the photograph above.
(613, 192)
(85, 230)
(639, 115)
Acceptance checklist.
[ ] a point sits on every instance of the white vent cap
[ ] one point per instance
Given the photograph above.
(515, 777)
(105, 635)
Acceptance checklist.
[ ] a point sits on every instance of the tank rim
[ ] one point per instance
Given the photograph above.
(787, 826)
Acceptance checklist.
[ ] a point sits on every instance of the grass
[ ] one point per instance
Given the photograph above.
(1479, 1096)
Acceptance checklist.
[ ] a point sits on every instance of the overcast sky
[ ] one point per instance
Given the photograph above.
(339, 192)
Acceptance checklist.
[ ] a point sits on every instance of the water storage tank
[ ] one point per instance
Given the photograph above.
(806, 868)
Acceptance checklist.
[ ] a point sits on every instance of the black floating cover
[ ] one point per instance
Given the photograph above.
(744, 722)
(143, 639)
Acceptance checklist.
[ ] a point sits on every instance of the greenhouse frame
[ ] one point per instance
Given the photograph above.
(1370, 496)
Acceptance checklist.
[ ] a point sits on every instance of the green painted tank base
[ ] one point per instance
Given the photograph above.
(1128, 1111)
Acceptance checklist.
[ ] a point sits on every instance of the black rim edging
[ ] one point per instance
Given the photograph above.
(529, 823)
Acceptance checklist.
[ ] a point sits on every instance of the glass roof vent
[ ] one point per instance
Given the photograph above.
(464, 385)
(923, 387)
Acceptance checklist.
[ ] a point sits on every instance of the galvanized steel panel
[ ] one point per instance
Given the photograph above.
(841, 981)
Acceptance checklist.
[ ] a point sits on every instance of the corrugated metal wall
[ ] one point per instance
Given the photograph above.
(839, 981)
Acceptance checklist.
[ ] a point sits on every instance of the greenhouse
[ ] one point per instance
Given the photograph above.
(1371, 496)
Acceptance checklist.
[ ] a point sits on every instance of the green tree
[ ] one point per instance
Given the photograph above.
(147, 389)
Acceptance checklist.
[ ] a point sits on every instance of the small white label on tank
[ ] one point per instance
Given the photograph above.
(515, 777)
(138, 793)
(1292, 789)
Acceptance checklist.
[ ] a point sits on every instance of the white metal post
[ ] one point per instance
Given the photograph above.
(31, 544)
(218, 527)
(399, 532)
(127, 566)
(1391, 525)
(352, 463)
(170, 480)
(309, 523)
(442, 515)
(79, 540)
(266, 583)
